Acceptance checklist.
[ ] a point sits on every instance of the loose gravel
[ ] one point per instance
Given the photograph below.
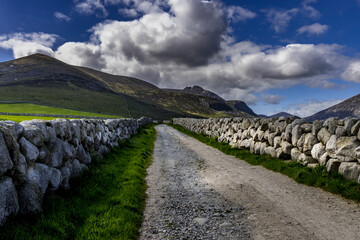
(198, 192)
(181, 205)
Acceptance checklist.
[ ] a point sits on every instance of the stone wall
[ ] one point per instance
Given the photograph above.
(39, 156)
(333, 143)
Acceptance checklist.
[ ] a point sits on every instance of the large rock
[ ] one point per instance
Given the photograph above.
(33, 134)
(277, 142)
(309, 142)
(56, 154)
(305, 159)
(300, 143)
(295, 154)
(40, 175)
(331, 146)
(345, 147)
(349, 123)
(316, 127)
(65, 177)
(82, 155)
(62, 128)
(30, 198)
(355, 129)
(9, 204)
(323, 136)
(333, 165)
(5, 160)
(296, 134)
(28, 150)
(350, 170)
(318, 150)
(68, 150)
(14, 128)
(55, 179)
(286, 147)
(271, 151)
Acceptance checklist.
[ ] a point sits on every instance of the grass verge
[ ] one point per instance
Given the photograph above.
(107, 202)
(316, 177)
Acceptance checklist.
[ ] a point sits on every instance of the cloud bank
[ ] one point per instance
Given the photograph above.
(188, 44)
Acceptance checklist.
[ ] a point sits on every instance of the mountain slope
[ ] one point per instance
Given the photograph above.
(44, 80)
(195, 100)
(347, 108)
(242, 107)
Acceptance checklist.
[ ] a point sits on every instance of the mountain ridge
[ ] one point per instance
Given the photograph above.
(44, 80)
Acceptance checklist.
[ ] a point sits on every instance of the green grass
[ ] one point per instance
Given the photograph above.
(106, 203)
(316, 177)
(41, 109)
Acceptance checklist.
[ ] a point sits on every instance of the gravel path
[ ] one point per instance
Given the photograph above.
(197, 192)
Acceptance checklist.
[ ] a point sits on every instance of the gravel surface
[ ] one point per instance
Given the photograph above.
(197, 192)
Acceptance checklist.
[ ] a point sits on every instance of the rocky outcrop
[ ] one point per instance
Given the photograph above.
(39, 156)
(334, 142)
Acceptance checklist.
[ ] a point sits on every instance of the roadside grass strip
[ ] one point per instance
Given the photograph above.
(107, 202)
(316, 177)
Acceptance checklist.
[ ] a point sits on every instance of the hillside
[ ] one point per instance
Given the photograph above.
(44, 80)
(347, 108)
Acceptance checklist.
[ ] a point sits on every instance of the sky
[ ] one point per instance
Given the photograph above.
(298, 56)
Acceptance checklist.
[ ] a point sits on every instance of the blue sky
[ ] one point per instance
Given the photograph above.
(295, 56)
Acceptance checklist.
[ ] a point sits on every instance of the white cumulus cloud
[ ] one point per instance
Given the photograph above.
(280, 19)
(62, 17)
(313, 29)
(352, 72)
(237, 13)
(24, 44)
(88, 7)
(311, 107)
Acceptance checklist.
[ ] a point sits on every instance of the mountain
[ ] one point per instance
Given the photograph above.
(281, 114)
(236, 108)
(347, 108)
(44, 80)
(242, 107)
(197, 90)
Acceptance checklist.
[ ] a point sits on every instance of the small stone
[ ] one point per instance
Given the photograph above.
(201, 221)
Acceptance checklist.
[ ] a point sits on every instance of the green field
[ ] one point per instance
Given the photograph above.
(41, 109)
(107, 202)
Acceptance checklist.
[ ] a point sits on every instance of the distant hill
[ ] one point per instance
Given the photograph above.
(347, 108)
(281, 114)
(44, 80)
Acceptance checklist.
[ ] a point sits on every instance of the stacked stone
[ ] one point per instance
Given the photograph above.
(334, 143)
(39, 156)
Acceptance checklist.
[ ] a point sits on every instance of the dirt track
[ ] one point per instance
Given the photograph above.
(263, 204)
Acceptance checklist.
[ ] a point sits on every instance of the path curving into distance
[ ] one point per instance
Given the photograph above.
(198, 192)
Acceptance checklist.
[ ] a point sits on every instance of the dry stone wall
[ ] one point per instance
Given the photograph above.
(333, 143)
(39, 156)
